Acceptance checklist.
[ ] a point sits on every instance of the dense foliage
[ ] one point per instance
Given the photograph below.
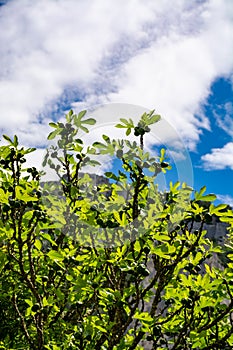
(87, 264)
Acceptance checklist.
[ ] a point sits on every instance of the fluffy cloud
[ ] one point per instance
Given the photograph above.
(154, 54)
(224, 117)
(49, 46)
(226, 199)
(219, 158)
(175, 72)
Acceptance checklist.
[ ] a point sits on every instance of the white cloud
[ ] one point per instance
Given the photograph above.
(162, 55)
(224, 117)
(175, 71)
(219, 158)
(47, 46)
(226, 199)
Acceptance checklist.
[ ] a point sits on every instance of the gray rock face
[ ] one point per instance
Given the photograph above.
(216, 230)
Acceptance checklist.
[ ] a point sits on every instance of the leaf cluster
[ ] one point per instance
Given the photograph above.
(111, 262)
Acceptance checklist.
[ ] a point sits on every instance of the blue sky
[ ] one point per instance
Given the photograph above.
(129, 56)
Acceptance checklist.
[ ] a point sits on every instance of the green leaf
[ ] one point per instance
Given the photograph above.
(120, 126)
(124, 121)
(81, 114)
(84, 129)
(45, 302)
(70, 113)
(79, 141)
(208, 198)
(226, 219)
(29, 302)
(7, 138)
(29, 150)
(23, 195)
(53, 125)
(15, 141)
(100, 328)
(106, 138)
(48, 238)
(205, 198)
(202, 190)
(160, 252)
(162, 155)
(155, 118)
(99, 145)
(3, 196)
(143, 316)
(111, 175)
(53, 134)
(38, 244)
(55, 255)
(89, 121)
(216, 210)
(3, 259)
